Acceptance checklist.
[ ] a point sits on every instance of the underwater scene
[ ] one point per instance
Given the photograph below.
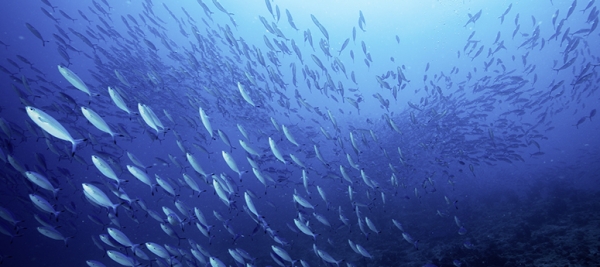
(299, 133)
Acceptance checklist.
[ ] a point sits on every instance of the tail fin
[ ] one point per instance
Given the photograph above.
(74, 145)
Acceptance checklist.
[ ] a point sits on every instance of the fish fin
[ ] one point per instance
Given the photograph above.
(55, 191)
(75, 143)
(67, 239)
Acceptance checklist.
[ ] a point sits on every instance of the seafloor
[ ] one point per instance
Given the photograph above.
(554, 225)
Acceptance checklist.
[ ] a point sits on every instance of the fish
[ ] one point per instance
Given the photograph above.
(9, 216)
(473, 18)
(270, 8)
(344, 46)
(165, 185)
(303, 202)
(36, 33)
(580, 121)
(96, 195)
(327, 258)
(319, 156)
(149, 113)
(93, 263)
(321, 28)
(158, 250)
(243, 131)
(353, 246)
(478, 52)
(318, 62)
(121, 258)
(323, 195)
(223, 195)
(122, 78)
(231, 163)
(195, 164)
(206, 122)
(276, 151)
(290, 19)
(136, 161)
(571, 9)
(192, 183)
(398, 225)
(505, 13)
(236, 256)
(48, 4)
(364, 47)
(457, 221)
(297, 161)
(410, 240)
(52, 233)
(283, 254)
(305, 181)
(44, 205)
(52, 126)
(361, 20)
(207, 11)
(215, 262)
(288, 135)
(224, 138)
(351, 162)
(308, 37)
(120, 237)
(248, 148)
(98, 122)
(42, 182)
(66, 15)
(118, 100)
(371, 225)
(362, 251)
(73, 79)
(354, 145)
(221, 8)
(322, 219)
(566, 65)
(304, 229)
(147, 117)
(250, 204)
(245, 94)
(150, 45)
(345, 174)
(141, 176)
(259, 176)
(266, 25)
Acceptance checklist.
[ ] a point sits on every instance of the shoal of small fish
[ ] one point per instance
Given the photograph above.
(220, 144)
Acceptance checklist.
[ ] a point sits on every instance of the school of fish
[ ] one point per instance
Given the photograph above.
(215, 152)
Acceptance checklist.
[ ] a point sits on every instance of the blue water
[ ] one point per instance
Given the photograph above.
(474, 124)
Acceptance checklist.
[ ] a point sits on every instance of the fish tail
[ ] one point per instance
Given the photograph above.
(67, 239)
(56, 214)
(55, 192)
(240, 174)
(115, 206)
(135, 247)
(75, 143)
